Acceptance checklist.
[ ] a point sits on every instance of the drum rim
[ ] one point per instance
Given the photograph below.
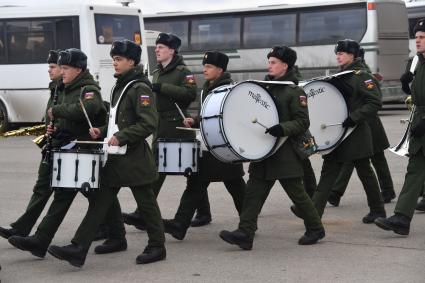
(341, 139)
(79, 151)
(177, 140)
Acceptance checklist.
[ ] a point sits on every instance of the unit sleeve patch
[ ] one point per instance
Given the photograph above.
(145, 100)
(88, 95)
(369, 84)
(190, 79)
(303, 101)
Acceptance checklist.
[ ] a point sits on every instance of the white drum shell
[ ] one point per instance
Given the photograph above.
(63, 175)
(178, 157)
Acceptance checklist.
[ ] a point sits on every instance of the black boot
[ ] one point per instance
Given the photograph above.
(389, 195)
(9, 232)
(111, 246)
(151, 254)
(296, 211)
(30, 244)
(74, 254)
(200, 220)
(102, 233)
(134, 219)
(311, 236)
(371, 216)
(237, 237)
(421, 205)
(174, 228)
(398, 223)
(334, 199)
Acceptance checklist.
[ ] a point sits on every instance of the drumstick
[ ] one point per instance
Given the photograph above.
(187, 129)
(324, 126)
(85, 114)
(90, 142)
(255, 120)
(180, 111)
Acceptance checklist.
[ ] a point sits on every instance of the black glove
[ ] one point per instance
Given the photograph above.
(348, 123)
(275, 131)
(419, 130)
(405, 80)
(156, 87)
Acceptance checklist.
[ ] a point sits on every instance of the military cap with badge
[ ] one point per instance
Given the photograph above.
(216, 58)
(73, 57)
(170, 40)
(127, 49)
(285, 54)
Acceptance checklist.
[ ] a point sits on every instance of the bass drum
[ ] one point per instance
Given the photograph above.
(327, 110)
(227, 126)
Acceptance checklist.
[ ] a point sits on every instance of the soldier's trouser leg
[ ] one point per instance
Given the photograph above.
(236, 188)
(296, 192)
(57, 211)
(156, 187)
(204, 204)
(104, 202)
(39, 199)
(343, 178)
(328, 176)
(189, 201)
(370, 184)
(413, 182)
(383, 173)
(149, 209)
(309, 179)
(256, 193)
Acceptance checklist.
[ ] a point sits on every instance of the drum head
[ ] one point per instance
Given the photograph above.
(326, 107)
(244, 103)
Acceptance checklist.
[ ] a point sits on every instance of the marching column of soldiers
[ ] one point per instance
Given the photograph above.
(160, 108)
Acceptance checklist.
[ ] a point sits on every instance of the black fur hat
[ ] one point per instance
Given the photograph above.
(169, 39)
(216, 58)
(284, 53)
(73, 57)
(420, 26)
(127, 49)
(53, 57)
(348, 46)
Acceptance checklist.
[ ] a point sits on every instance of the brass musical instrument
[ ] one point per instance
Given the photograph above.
(402, 148)
(37, 130)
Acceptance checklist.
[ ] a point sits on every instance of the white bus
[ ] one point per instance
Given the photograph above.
(27, 33)
(415, 11)
(247, 35)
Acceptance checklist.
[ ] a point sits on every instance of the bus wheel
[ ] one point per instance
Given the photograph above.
(4, 119)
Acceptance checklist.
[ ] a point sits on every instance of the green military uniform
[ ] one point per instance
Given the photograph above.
(176, 85)
(211, 170)
(284, 165)
(415, 176)
(380, 143)
(41, 190)
(137, 119)
(71, 124)
(364, 101)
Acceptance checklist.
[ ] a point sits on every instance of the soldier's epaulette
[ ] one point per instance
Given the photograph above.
(358, 72)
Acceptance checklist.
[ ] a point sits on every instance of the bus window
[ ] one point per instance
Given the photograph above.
(210, 33)
(269, 30)
(111, 27)
(28, 41)
(179, 28)
(67, 33)
(2, 46)
(326, 27)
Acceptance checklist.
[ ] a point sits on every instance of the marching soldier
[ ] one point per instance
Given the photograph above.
(284, 165)
(70, 124)
(41, 191)
(363, 101)
(137, 119)
(415, 176)
(172, 83)
(210, 169)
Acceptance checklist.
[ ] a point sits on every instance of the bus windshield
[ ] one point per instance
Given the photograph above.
(117, 27)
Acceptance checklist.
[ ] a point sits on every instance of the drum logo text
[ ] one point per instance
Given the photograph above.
(313, 92)
(257, 99)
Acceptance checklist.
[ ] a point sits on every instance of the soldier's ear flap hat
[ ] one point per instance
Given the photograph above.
(285, 54)
(53, 57)
(170, 40)
(348, 46)
(73, 57)
(127, 49)
(420, 26)
(216, 58)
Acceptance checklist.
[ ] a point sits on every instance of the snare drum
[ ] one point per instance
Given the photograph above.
(76, 170)
(327, 110)
(178, 156)
(227, 126)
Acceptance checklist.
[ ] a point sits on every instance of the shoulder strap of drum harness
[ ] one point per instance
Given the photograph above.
(127, 86)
